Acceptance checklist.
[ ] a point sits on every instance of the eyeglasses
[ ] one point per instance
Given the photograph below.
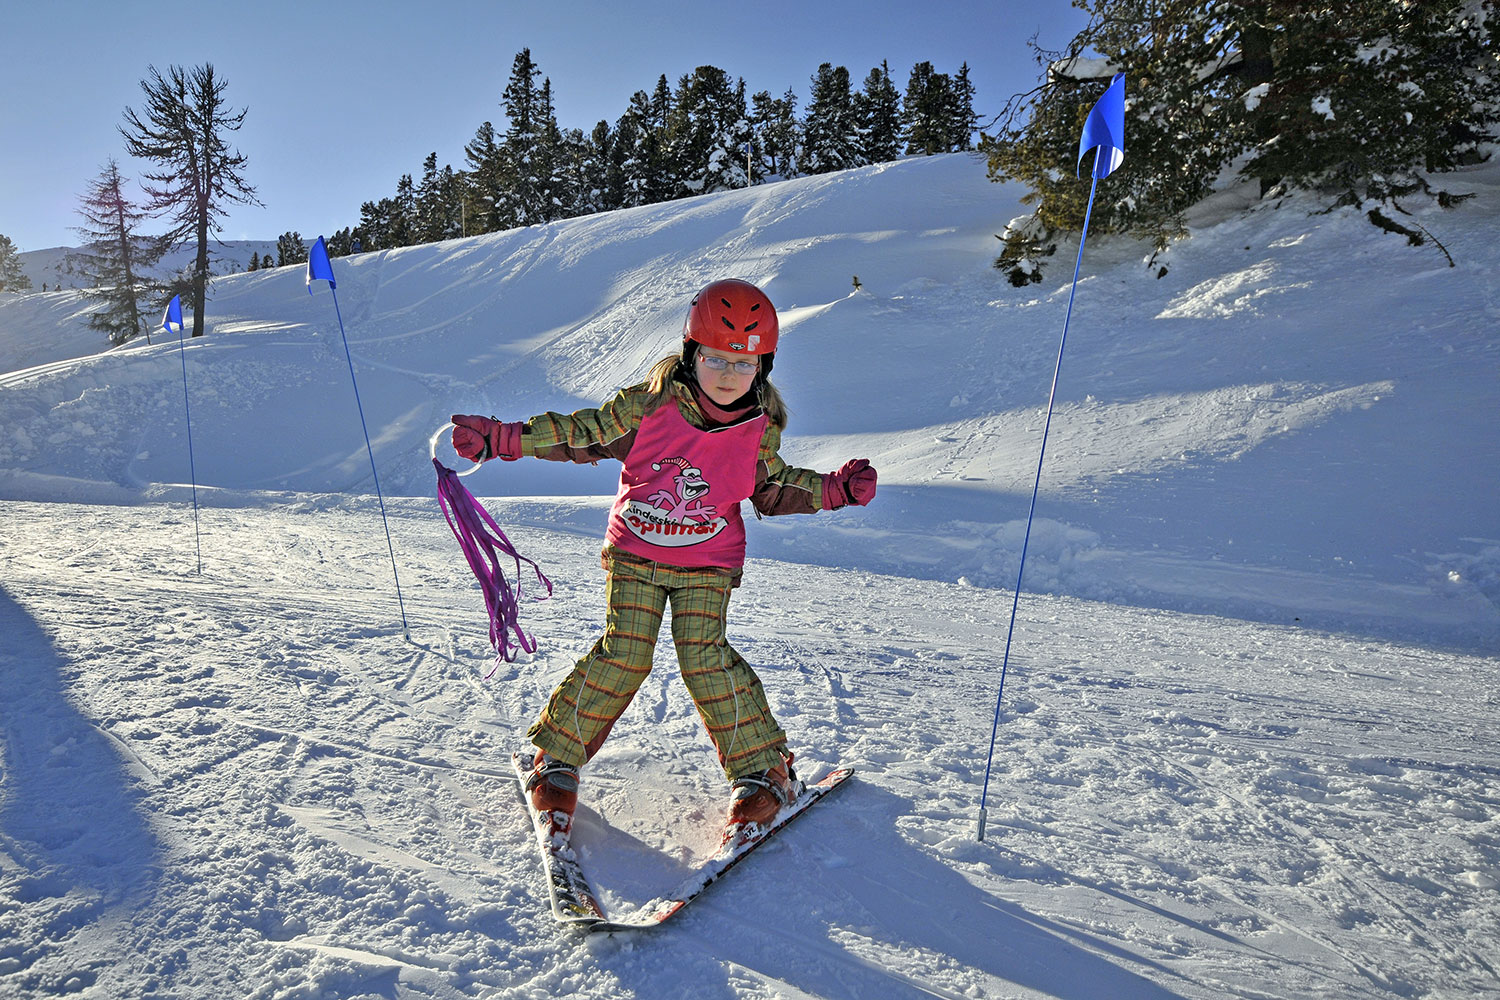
(717, 364)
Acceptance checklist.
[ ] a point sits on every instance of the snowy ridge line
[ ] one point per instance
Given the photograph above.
(24, 375)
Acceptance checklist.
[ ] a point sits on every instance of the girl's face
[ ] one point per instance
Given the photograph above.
(726, 385)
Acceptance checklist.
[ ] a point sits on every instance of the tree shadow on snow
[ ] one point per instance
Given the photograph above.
(842, 905)
(73, 843)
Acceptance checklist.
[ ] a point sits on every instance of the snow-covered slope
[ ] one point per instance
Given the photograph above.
(1247, 741)
(1296, 423)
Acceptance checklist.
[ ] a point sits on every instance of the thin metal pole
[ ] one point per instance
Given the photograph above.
(1035, 489)
(405, 630)
(192, 466)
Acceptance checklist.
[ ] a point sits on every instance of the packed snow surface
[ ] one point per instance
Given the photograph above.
(1246, 747)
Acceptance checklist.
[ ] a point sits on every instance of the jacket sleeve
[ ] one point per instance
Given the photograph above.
(781, 488)
(586, 435)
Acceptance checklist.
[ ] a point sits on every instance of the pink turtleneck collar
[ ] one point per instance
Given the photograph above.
(718, 414)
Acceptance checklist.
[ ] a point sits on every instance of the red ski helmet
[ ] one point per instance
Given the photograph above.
(732, 315)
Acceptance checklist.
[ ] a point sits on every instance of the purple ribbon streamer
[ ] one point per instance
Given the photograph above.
(483, 542)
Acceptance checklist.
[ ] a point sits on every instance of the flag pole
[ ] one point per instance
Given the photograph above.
(1104, 131)
(320, 269)
(173, 317)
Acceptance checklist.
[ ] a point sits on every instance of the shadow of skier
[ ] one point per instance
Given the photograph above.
(74, 847)
(843, 905)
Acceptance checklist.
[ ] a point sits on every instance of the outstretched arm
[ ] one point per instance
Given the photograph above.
(785, 489)
(582, 436)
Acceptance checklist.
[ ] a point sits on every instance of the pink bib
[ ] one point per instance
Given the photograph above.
(680, 491)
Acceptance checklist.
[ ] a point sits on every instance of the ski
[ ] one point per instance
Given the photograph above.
(737, 846)
(573, 899)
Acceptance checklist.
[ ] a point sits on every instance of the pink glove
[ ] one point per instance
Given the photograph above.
(480, 439)
(853, 483)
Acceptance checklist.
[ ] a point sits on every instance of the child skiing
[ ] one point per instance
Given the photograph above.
(699, 436)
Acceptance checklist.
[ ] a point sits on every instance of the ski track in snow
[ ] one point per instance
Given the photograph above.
(257, 762)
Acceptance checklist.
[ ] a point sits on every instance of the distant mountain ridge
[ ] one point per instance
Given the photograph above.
(51, 267)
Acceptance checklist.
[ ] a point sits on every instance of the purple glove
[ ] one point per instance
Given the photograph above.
(853, 483)
(480, 439)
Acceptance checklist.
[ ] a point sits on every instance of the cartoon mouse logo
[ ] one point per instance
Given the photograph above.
(683, 506)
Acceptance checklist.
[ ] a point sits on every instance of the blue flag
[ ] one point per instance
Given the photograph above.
(318, 267)
(1105, 130)
(172, 319)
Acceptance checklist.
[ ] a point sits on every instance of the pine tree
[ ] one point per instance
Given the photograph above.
(667, 144)
(878, 107)
(1379, 94)
(928, 111)
(571, 191)
(431, 217)
(1359, 101)
(524, 195)
(602, 179)
(707, 127)
(647, 174)
(486, 181)
(254, 261)
(438, 203)
(962, 121)
(12, 277)
(665, 169)
(737, 142)
(831, 136)
(729, 167)
(453, 199)
(340, 244)
(116, 258)
(183, 130)
(290, 250)
(1156, 42)
(775, 122)
(632, 151)
(376, 224)
(616, 176)
(550, 160)
(403, 221)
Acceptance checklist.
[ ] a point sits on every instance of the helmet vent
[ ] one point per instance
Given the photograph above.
(752, 326)
(726, 322)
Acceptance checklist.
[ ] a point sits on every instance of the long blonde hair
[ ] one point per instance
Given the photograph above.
(672, 369)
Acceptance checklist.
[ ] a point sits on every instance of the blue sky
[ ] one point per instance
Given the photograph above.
(344, 96)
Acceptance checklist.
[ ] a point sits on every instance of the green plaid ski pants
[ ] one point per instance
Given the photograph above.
(725, 689)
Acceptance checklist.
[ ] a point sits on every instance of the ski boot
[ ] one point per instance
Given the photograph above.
(758, 797)
(553, 789)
